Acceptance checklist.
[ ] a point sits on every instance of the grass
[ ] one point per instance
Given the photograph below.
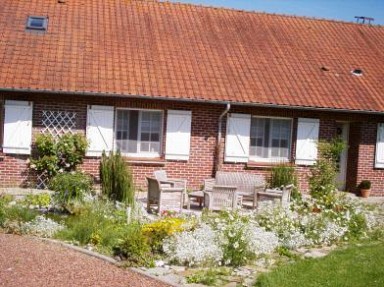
(210, 277)
(351, 267)
(96, 225)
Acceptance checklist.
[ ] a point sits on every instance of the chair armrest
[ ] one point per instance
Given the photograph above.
(207, 199)
(271, 194)
(172, 189)
(167, 181)
(224, 186)
(176, 179)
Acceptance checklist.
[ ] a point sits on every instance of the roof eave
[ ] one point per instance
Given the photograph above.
(101, 94)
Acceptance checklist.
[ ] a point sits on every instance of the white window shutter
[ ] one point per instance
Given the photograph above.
(178, 139)
(99, 129)
(379, 159)
(17, 127)
(237, 138)
(307, 140)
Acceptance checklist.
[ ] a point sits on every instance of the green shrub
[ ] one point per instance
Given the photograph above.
(12, 216)
(207, 277)
(357, 226)
(95, 224)
(116, 179)
(42, 200)
(157, 231)
(324, 173)
(71, 150)
(2, 210)
(282, 175)
(364, 184)
(55, 155)
(134, 247)
(19, 213)
(70, 187)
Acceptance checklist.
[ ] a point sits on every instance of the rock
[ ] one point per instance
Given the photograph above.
(248, 282)
(117, 258)
(177, 269)
(315, 254)
(159, 263)
(158, 271)
(172, 278)
(242, 271)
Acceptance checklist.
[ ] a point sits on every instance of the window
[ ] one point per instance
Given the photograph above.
(270, 139)
(37, 23)
(138, 132)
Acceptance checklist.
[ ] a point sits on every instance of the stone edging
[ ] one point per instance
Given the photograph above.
(105, 258)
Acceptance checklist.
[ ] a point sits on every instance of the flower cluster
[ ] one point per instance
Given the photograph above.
(198, 247)
(225, 239)
(41, 226)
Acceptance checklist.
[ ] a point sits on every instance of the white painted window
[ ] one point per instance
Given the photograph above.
(307, 140)
(17, 127)
(270, 139)
(237, 138)
(178, 137)
(99, 129)
(379, 158)
(138, 132)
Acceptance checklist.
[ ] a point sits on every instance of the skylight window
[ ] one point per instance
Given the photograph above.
(39, 23)
(357, 72)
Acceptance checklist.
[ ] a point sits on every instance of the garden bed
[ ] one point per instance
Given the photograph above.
(213, 249)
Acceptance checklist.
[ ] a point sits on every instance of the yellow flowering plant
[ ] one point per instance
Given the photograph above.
(158, 230)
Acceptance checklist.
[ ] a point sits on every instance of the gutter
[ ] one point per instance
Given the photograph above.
(147, 97)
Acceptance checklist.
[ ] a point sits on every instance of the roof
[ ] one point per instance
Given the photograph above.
(182, 51)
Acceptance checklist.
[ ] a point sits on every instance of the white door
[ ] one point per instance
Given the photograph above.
(343, 132)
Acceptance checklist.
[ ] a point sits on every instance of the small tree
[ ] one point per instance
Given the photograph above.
(116, 179)
(324, 173)
(58, 155)
(282, 175)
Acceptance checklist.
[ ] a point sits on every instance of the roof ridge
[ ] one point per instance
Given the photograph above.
(261, 12)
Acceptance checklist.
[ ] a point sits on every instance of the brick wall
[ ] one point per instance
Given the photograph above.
(202, 163)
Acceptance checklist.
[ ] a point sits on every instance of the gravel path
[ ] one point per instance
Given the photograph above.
(30, 262)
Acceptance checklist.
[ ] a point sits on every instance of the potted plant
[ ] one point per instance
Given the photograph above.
(365, 188)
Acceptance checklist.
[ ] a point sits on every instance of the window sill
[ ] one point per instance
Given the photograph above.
(145, 161)
(265, 165)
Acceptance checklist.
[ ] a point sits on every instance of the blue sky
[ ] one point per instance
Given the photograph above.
(331, 9)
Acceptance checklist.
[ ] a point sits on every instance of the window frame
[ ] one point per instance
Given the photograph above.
(254, 158)
(43, 28)
(140, 154)
(2, 122)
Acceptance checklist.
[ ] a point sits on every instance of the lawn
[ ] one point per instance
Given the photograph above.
(351, 267)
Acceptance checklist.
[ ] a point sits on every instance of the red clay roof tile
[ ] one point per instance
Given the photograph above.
(181, 51)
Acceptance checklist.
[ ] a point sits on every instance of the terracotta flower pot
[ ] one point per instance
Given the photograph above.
(365, 192)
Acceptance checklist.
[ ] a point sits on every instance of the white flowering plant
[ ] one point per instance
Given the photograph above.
(227, 238)
(41, 226)
(198, 247)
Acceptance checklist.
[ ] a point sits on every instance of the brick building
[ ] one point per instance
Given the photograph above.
(190, 89)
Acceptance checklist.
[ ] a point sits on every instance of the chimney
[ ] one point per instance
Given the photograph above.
(362, 19)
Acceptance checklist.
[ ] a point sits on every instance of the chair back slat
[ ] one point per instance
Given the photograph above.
(223, 197)
(160, 175)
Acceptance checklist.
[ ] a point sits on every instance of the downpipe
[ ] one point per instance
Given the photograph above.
(219, 146)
